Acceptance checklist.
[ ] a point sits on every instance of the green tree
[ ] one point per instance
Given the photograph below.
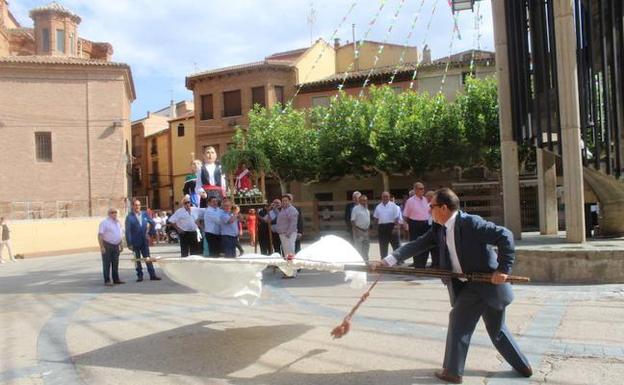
(388, 133)
(478, 109)
(343, 132)
(288, 142)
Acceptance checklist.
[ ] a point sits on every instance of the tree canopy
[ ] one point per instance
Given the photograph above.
(386, 132)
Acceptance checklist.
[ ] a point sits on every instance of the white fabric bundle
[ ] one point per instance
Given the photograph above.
(241, 277)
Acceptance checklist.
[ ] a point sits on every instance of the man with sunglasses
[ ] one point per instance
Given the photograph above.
(185, 222)
(465, 243)
(109, 237)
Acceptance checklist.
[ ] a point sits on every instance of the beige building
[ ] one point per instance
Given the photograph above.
(182, 151)
(65, 117)
(224, 96)
(152, 156)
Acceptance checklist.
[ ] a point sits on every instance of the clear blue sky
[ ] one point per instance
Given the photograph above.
(163, 41)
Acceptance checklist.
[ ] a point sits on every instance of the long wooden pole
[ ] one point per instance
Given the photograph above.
(434, 273)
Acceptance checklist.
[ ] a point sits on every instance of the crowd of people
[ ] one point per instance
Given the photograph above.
(207, 223)
(210, 224)
(413, 217)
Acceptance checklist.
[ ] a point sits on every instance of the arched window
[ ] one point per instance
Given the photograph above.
(180, 129)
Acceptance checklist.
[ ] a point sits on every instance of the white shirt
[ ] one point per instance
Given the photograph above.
(139, 217)
(450, 244)
(158, 221)
(111, 231)
(387, 213)
(360, 216)
(186, 220)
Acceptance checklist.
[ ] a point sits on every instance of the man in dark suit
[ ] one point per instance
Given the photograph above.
(138, 226)
(348, 209)
(264, 237)
(464, 242)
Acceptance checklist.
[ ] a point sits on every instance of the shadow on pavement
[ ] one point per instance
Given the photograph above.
(371, 377)
(64, 281)
(194, 350)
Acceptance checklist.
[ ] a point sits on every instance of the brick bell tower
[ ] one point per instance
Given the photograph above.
(56, 30)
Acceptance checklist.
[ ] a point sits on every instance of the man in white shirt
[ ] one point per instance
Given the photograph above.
(110, 235)
(360, 224)
(185, 222)
(388, 218)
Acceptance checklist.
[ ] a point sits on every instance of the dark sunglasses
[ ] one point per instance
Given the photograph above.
(187, 203)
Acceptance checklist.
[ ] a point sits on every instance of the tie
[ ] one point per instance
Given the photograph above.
(445, 260)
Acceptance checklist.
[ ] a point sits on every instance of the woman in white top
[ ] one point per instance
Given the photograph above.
(158, 227)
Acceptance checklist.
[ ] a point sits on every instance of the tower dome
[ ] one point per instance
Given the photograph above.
(56, 30)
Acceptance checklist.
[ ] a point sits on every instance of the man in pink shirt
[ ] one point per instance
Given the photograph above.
(417, 214)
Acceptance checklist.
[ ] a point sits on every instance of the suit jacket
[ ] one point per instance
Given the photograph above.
(135, 232)
(299, 221)
(263, 227)
(474, 238)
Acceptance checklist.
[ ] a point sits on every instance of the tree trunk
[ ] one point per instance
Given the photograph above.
(262, 184)
(386, 181)
(283, 186)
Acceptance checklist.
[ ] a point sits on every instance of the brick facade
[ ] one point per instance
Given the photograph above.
(83, 104)
(218, 131)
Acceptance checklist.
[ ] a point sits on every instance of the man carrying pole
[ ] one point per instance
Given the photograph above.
(464, 243)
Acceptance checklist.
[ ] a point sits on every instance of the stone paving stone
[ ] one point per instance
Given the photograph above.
(61, 326)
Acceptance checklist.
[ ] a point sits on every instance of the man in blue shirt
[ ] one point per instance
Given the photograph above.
(229, 228)
(212, 226)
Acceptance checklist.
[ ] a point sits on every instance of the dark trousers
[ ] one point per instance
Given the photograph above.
(241, 251)
(387, 235)
(110, 261)
(264, 242)
(214, 244)
(416, 229)
(228, 245)
(467, 308)
(189, 244)
(277, 244)
(144, 251)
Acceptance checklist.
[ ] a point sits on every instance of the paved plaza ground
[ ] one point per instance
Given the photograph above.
(60, 325)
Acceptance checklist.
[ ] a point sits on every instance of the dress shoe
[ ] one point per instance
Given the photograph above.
(108, 284)
(119, 283)
(140, 279)
(448, 377)
(526, 371)
(154, 278)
